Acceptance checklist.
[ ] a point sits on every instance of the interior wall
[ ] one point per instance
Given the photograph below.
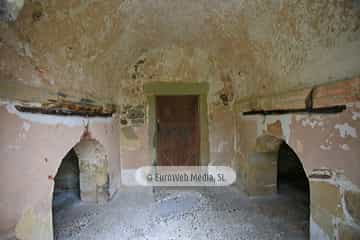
(320, 140)
(32, 147)
(107, 50)
(328, 147)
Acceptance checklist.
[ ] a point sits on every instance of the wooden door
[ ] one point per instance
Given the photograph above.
(178, 134)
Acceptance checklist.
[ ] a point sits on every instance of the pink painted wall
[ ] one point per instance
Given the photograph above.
(329, 141)
(320, 140)
(31, 149)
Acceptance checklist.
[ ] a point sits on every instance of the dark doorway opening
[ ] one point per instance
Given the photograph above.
(67, 186)
(293, 183)
(178, 132)
(67, 183)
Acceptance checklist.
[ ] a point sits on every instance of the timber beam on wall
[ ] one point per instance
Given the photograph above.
(325, 98)
(322, 110)
(40, 100)
(67, 108)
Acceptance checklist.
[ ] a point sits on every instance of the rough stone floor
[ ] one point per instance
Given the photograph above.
(215, 213)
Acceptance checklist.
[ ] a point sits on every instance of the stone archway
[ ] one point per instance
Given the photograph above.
(274, 164)
(82, 172)
(261, 168)
(66, 182)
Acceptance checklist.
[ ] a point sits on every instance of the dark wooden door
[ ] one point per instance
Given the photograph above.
(178, 141)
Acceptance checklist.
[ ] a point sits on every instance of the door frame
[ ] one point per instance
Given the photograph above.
(200, 89)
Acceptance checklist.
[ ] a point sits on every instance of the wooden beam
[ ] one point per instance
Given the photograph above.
(327, 95)
(67, 108)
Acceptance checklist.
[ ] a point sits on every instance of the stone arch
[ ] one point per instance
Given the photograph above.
(262, 173)
(93, 176)
(262, 166)
(93, 170)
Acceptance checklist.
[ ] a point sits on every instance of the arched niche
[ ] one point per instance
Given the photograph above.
(274, 168)
(93, 170)
(261, 169)
(82, 175)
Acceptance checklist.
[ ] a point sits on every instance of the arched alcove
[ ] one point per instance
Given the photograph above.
(293, 183)
(67, 182)
(81, 176)
(291, 172)
(275, 169)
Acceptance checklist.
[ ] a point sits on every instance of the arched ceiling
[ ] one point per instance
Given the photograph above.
(109, 49)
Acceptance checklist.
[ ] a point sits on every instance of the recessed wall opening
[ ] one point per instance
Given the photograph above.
(292, 182)
(67, 182)
(81, 177)
(66, 186)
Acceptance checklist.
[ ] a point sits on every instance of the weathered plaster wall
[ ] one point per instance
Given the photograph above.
(320, 140)
(61, 46)
(221, 136)
(109, 49)
(31, 148)
(329, 148)
(243, 48)
(331, 141)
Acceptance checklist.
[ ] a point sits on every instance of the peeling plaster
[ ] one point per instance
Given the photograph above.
(285, 125)
(356, 115)
(344, 147)
(26, 126)
(312, 123)
(346, 185)
(285, 121)
(346, 130)
(325, 147)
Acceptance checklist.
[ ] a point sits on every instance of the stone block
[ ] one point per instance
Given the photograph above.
(337, 93)
(267, 143)
(352, 201)
(323, 220)
(327, 197)
(274, 129)
(348, 232)
(261, 174)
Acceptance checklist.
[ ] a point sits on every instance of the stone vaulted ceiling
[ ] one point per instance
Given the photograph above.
(109, 49)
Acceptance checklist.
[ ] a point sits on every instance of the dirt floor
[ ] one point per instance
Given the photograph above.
(214, 213)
